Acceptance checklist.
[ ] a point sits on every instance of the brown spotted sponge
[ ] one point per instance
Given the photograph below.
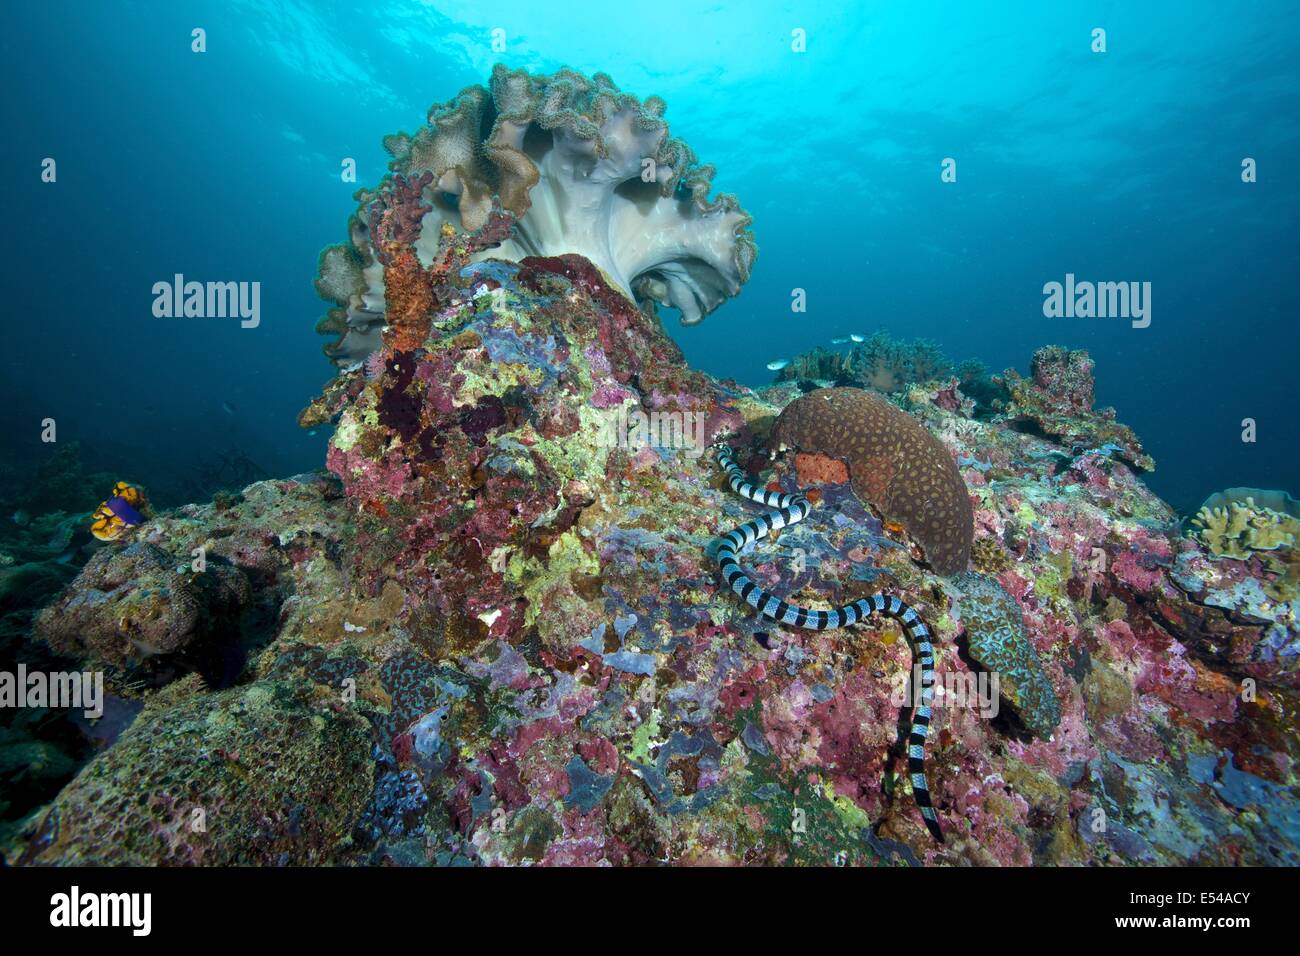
(896, 466)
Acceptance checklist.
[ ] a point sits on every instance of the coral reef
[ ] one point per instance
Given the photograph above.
(785, 511)
(919, 369)
(580, 167)
(62, 482)
(880, 363)
(493, 634)
(1278, 501)
(1251, 571)
(41, 551)
(140, 609)
(1057, 399)
(894, 463)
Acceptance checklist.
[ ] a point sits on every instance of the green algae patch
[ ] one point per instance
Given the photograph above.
(550, 580)
(805, 825)
(347, 434)
(644, 737)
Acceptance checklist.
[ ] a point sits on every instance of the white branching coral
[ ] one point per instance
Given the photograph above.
(583, 167)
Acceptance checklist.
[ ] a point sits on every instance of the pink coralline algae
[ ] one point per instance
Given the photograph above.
(609, 397)
(1141, 570)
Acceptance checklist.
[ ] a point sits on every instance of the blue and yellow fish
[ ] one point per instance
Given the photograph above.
(121, 511)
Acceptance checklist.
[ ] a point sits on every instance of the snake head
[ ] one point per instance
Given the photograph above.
(779, 450)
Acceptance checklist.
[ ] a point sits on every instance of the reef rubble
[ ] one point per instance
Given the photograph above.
(489, 635)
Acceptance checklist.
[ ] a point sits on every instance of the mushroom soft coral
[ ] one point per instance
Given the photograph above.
(584, 168)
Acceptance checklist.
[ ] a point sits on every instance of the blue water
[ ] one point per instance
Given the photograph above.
(225, 166)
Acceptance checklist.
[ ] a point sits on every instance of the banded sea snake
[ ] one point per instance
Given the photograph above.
(791, 509)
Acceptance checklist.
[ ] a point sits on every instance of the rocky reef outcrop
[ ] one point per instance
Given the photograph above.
(493, 633)
(137, 604)
(269, 773)
(1057, 399)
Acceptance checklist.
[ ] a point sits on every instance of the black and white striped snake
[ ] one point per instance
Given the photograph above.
(791, 509)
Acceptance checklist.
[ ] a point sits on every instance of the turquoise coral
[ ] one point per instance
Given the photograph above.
(995, 629)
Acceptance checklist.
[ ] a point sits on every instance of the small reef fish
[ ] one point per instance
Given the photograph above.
(839, 341)
(22, 518)
(777, 365)
(858, 338)
(228, 408)
(122, 510)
